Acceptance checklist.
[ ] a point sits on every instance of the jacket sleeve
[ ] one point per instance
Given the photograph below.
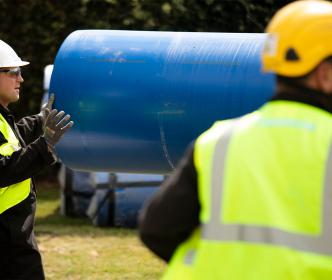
(173, 213)
(30, 128)
(25, 163)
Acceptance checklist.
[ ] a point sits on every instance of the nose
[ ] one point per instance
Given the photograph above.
(20, 78)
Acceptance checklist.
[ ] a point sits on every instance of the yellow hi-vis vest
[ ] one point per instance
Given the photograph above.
(265, 189)
(13, 194)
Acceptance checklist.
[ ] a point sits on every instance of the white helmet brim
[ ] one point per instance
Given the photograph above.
(9, 58)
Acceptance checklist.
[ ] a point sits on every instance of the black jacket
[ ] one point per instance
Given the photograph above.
(31, 158)
(173, 213)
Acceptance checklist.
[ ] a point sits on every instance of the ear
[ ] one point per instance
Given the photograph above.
(323, 77)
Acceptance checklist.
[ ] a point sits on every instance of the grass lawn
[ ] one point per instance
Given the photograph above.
(74, 249)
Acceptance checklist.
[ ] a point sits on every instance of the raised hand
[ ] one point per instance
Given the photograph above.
(55, 126)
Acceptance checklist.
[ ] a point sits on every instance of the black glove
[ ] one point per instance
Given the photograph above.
(55, 126)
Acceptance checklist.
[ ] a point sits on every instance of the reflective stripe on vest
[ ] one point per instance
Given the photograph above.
(218, 231)
(189, 258)
(13, 194)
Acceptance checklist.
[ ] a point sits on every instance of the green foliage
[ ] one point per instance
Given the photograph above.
(36, 28)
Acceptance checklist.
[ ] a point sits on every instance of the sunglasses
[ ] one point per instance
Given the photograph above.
(12, 72)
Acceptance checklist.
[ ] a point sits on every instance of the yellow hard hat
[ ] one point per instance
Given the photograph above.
(299, 38)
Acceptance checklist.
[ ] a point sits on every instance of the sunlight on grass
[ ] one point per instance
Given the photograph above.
(74, 249)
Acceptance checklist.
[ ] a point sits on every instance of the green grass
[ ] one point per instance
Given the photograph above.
(74, 249)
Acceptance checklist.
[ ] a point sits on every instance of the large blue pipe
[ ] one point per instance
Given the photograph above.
(139, 97)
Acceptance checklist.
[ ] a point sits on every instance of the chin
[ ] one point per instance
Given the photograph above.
(15, 99)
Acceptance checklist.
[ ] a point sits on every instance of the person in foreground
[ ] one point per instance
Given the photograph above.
(252, 197)
(26, 147)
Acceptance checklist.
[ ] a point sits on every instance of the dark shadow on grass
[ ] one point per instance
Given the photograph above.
(55, 224)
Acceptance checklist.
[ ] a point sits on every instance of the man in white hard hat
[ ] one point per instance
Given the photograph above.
(26, 147)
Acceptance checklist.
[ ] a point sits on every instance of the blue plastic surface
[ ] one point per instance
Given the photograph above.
(118, 204)
(138, 98)
(127, 204)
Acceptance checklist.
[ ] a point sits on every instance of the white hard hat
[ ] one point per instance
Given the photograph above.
(8, 57)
